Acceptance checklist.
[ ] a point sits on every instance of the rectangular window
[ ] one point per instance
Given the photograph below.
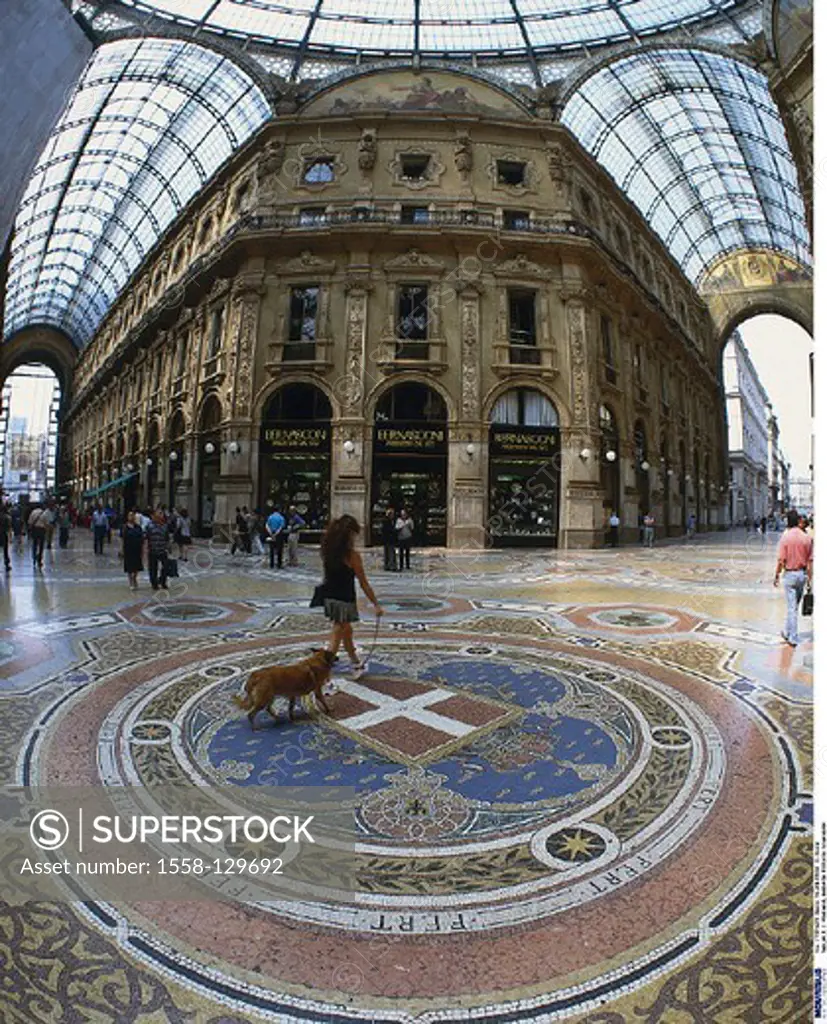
(304, 305)
(522, 330)
(216, 327)
(510, 172)
(414, 215)
(415, 166)
(310, 215)
(608, 349)
(319, 170)
(181, 360)
(412, 321)
(516, 220)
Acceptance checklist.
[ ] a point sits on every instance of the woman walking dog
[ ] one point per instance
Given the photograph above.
(342, 567)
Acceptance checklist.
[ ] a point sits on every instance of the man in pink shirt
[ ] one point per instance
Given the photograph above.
(795, 559)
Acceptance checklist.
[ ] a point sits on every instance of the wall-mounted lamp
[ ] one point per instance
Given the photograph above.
(611, 455)
(129, 468)
(209, 448)
(644, 466)
(670, 472)
(470, 449)
(149, 462)
(687, 478)
(349, 447)
(173, 456)
(233, 447)
(585, 454)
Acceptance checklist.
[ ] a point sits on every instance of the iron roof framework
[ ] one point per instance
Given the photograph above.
(149, 123)
(696, 141)
(527, 41)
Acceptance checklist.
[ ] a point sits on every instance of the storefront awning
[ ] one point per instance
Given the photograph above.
(108, 487)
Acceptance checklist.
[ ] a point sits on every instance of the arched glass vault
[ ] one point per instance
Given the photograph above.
(148, 125)
(695, 140)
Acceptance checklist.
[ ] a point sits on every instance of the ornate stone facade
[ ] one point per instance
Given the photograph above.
(488, 212)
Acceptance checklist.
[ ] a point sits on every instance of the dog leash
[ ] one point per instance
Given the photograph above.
(369, 655)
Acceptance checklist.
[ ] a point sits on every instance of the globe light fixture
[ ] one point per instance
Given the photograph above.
(611, 455)
(586, 454)
(234, 447)
(644, 466)
(173, 456)
(209, 448)
(349, 447)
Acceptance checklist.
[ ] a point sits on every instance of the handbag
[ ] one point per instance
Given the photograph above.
(319, 594)
(807, 603)
(172, 567)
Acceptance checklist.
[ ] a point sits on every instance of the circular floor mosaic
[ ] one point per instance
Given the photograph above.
(498, 789)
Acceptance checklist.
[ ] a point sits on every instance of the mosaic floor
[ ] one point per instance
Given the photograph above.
(583, 788)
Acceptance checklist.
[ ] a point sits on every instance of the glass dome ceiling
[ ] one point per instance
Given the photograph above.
(434, 28)
(695, 140)
(147, 126)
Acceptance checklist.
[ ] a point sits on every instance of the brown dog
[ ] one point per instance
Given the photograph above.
(265, 684)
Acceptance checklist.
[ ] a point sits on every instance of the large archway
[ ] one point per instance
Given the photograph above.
(767, 372)
(29, 439)
(410, 460)
(294, 453)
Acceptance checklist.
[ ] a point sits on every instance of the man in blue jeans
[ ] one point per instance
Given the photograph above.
(795, 560)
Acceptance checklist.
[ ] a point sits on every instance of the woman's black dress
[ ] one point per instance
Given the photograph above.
(133, 542)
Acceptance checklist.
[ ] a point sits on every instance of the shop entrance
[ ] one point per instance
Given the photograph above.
(410, 462)
(294, 450)
(524, 471)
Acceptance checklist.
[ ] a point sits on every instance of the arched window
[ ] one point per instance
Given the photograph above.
(524, 407)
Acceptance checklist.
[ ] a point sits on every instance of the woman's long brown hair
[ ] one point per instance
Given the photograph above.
(337, 542)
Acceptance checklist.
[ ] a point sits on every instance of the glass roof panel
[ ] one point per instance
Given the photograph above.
(435, 27)
(150, 122)
(696, 142)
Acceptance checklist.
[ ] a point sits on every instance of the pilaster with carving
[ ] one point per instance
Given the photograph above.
(246, 304)
(351, 388)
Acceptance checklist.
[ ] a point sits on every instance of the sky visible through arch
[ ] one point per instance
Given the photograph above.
(779, 350)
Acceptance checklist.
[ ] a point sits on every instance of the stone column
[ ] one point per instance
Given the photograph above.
(235, 487)
(468, 437)
(581, 513)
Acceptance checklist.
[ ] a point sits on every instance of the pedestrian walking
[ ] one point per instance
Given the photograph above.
(690, 525)
(295, 525)
(17, 525)
(342, 567)
(157, 539)
(5, 534)
(795, 560)
(241, 536)
(404, 538)
(389, 540)
(275, 537)
(51, 520)
(100, 527)
(38, 521)
(64, 523)
(132, 543)
(183, 534)
(614, 529)
(649, 530)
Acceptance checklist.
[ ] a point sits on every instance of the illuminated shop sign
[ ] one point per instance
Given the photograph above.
(285, 439)
(524, 441)
(410, 439)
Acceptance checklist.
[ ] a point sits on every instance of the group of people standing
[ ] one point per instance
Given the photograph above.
(253, 531)
(397, 535)
(40, 522)
(153, 533)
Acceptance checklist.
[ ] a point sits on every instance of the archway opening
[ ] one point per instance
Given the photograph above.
(29, 433)
(768, 380)
(294, 455)
(175, 455)
(524, 470)
(410, 461)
